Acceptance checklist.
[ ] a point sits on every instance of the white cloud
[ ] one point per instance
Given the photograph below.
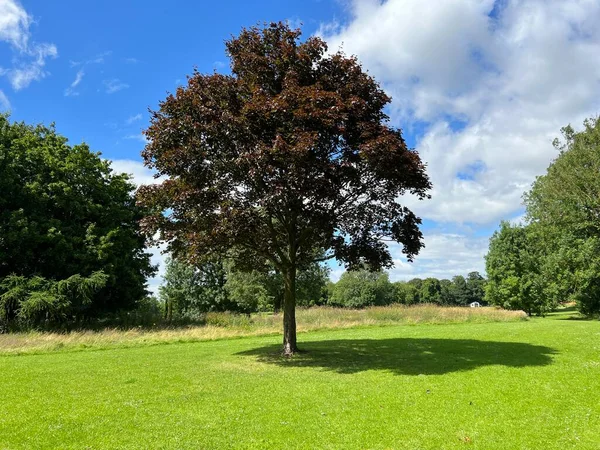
(25, 72)
(142, 175)
(139, 173)
(70, 91)
(157, 259)
(513, 78)
(114, 85)
(30, 61)
(138, 137)
(4, 103)
(14, 24)
(98, 59)
(444, 256)
(132, 119)
(521, 219)
(490, 82)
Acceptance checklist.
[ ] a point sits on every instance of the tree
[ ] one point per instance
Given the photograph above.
(311, 285)
(513, 269)
(431, 291)
(361, 288)
(563, 208)
(401, 292)
(248, 291)
(290, 153)
(446, 296)
(65, 212)
(414, 294)
(188, 291)
(475, 286)
(459, 291)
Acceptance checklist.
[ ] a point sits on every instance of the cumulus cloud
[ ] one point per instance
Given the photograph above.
(142, 175)
(490, 83)
(30, 57)
(136, 169)
(114, 85)
(493, 82)
(445, 255)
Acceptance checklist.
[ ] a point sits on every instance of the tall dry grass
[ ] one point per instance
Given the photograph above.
(227, 325)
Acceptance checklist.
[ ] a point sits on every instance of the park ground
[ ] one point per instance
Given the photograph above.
(531, 384)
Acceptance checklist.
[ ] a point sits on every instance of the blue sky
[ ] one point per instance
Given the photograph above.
(480, 87)
(130, 53)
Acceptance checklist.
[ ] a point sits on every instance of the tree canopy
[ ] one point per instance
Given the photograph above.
(64, 213)
(360, 288)
(563, 208)
(288, 155)
(555, 256)
(512, 266)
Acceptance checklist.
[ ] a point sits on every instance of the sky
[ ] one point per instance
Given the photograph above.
(480, 87)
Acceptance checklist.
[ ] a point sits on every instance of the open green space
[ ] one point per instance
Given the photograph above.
(504, 385)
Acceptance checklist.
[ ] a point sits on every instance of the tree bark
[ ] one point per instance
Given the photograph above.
(289, 312)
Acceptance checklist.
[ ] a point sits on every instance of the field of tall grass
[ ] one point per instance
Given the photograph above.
(227, 325)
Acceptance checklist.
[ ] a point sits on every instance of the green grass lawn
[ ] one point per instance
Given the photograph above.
(514, 385)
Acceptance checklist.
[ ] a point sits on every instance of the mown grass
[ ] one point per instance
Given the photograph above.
(225, 325)
(512, 385)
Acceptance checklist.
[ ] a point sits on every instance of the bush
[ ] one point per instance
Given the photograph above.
(40, 303)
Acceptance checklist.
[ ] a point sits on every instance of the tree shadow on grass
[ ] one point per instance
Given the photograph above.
(407, 356)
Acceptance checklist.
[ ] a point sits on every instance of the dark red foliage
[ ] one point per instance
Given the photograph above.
(290, 153)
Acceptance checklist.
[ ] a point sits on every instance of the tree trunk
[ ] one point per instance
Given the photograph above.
(289, 312)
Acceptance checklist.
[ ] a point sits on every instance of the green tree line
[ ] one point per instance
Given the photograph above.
(190, 291)
(555, 256)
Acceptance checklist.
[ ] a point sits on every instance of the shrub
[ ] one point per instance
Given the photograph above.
(38, 302)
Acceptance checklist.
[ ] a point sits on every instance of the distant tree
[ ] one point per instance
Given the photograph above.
(459, 291)
(361, 288)
(311, 285)
(446, 295)
(475, 285)
(401, 292)
(187, 291)
(290, 153)
(563, 207)
(63, 213)
(431, 291)
(413, 295)
(248, 291)
(513, 269)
